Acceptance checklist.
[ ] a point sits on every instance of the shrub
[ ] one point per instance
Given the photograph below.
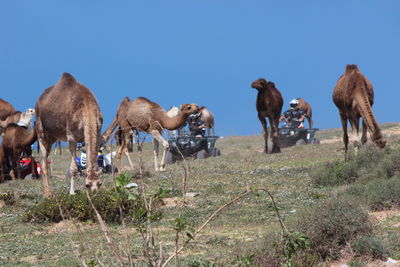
(368, 246)
(331, 224)
(108, 204)
(335, 173)
(8, 198)
(377, 194)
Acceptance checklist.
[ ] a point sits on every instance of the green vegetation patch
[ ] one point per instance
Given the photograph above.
(112, 205)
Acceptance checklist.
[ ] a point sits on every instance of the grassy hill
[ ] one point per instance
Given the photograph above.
(232, 238)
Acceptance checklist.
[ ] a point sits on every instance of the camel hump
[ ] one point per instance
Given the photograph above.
(350, 68)
(66, 80)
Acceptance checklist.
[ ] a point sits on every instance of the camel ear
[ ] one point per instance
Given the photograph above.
(66, 80)
(351, 67)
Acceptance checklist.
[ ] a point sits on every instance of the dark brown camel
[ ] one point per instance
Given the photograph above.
(303, 105)
(17, 139)
(2, 163)
(69, 112)
(354, 96)
(143, 115)
(269, 104)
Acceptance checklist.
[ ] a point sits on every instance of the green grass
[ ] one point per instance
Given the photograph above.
(233, 233)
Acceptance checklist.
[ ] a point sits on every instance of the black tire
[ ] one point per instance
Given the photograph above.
(216, 152)
(169, 158)
(316, 141)
(300, 142)
(202, 154)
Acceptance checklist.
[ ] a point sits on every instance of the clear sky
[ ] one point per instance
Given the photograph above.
(207, 52)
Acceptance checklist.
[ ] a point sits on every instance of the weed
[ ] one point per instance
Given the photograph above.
(369, 246)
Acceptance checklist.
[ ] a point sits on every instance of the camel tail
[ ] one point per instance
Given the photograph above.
(92, 128)
(365, 110)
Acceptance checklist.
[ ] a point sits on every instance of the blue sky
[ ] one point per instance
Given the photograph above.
(207, 52)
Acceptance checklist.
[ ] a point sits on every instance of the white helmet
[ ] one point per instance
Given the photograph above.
(294, 103)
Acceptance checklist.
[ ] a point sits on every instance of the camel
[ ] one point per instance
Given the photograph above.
(2, 163)
(207, 117)
(143, 115)
(68, 111)
(269, 104)
(17, 139)
(354, 96)
(20, 118)
(6, 109)
(303, 105)
(172, 112)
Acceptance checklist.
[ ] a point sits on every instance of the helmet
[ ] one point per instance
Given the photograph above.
(194, 115)
(294, 103)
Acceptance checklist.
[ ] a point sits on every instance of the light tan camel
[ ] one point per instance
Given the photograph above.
(69, 112)
(354, 96)
(269, 104)
(143, 115)
(17, 139)
(172, 112)
(303, 105)
(20, 118)
(208, 118)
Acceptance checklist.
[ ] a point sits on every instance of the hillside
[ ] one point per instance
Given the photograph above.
(236, 232)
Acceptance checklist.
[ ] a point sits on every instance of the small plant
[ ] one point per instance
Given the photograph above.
(368, 246)
(8, 198)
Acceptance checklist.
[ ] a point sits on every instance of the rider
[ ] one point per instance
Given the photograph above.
(196, 125)
(294, 115)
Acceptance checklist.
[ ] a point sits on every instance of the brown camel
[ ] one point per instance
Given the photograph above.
(269, 104)
(2, 163)
(6, 109)
(354, 96)
(143, 115)
(69, 112)
(208, 118)
(17, 139)
(303, 105)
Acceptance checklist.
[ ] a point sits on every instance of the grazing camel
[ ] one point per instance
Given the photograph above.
(269, 104)
(68, 111)
(303, 105)
(17, 139)
(354, 96)
(143, 115)
(207, 117)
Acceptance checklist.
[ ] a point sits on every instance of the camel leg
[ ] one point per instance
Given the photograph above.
(119, 156)
(265, 131)
(310, 122)
(364, 132)
(44, 153)
(73, 168)
(155, 153)
(275, 135)
(355, 138)
(127, 141)
(14, 168)
(157, 136)
(343, 119)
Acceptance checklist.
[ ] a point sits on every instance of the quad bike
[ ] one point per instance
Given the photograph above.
(291, 135)
(104, 161)
(186, 145)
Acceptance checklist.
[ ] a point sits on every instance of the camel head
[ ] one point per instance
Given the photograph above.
(378, 140)
(93, 182)
(30, 111)
(188, 109)
(262, 84)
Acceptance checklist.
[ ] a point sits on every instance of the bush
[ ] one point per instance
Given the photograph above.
(377, 194)
(369, 247)
(8, 198)
(331, 224)
(370, 163)
(108, 204)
